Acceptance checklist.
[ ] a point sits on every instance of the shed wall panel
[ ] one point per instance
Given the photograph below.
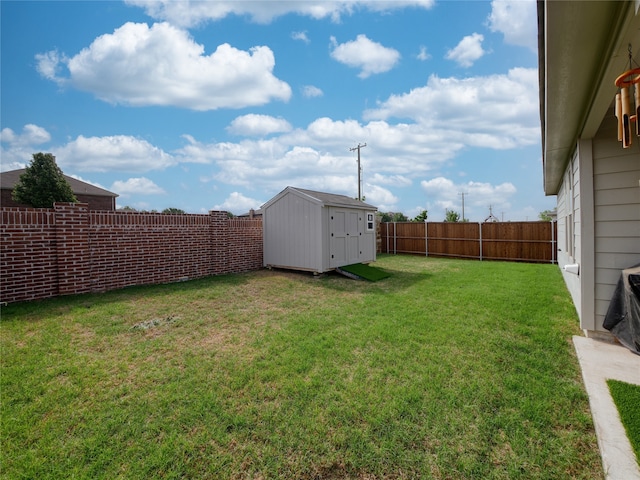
(302, 232)
(292, 236)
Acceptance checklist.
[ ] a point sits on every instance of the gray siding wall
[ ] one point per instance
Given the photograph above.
(598, 208)
(568, 208)
(616, 184)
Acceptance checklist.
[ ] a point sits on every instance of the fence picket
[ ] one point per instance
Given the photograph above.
(512, 241)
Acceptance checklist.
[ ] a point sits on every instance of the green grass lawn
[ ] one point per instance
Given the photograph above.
(447, 369)
(627, 399)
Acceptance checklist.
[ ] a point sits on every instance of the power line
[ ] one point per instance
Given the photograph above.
(359, 169)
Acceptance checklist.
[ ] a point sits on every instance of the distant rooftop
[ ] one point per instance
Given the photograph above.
(8, 180)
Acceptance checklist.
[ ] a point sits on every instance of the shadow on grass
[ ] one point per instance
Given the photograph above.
(58, 306)
(61, 305)
(397, 281)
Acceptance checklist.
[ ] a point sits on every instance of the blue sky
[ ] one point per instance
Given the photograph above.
(221, 105)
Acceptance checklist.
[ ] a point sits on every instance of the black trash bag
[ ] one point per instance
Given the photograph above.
(623, 316)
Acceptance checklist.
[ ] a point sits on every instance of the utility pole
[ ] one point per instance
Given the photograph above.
(462, 194)
(359, 169)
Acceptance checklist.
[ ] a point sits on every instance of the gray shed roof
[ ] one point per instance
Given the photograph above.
(323, 198)
(9, 179)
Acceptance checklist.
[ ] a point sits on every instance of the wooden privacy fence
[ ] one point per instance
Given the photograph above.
(513, 241)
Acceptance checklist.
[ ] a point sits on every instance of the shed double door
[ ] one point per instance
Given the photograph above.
(345, 230)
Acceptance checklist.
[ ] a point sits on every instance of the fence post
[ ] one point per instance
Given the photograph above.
(72, 247)
(219, 231)
(480, 233)
(387, 225)
(395, 242)
(553, 249)
(426, 239)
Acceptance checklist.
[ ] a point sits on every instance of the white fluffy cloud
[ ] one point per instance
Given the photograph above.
(49, 65)
(258, 125)
(17, 148)
(496, 111)
(380, 197)
(89, 154)
(467, 51)
(161, 65)
(370, 57)
(238, 204)
(31, 135)
(423, 54)
(445, 194)
(189, 13)
(516, 20)
(391, 180)
(112, 153)
(396, 153)
(136, 186)
(437, 121)
(302, 36)
(310, 91)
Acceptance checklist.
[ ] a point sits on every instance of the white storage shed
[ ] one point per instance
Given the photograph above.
(316, 231)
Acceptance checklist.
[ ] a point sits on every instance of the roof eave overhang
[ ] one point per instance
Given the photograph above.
(583, 47)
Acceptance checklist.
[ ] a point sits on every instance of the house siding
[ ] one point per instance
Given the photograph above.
(598, 207)
(586, 227)
(616, 185)
(569, 250)
(561, 208)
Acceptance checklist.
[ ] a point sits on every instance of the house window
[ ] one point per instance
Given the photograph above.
(569, 238)
(370, 222)
(570, 219)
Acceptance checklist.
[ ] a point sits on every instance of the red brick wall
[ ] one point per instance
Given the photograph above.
(245, 244)
(28, 254)
(71, 249)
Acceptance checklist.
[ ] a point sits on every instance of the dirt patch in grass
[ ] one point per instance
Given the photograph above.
(155, 322)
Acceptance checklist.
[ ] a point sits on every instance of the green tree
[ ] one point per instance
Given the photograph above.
(545, 216)
(451, 216)
(421, 217)
(393, 217)
(43, 183)
(173, 210)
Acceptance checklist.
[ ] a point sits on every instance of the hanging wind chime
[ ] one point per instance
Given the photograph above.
(624, 111)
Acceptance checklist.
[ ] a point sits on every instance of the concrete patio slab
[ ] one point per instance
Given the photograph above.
(600, 361)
